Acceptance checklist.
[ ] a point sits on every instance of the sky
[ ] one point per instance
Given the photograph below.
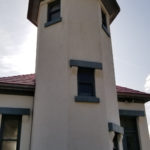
(130, 35)
(17, 39)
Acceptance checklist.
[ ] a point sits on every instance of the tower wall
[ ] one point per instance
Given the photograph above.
(60, 122)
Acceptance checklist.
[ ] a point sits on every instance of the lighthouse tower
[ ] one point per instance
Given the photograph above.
(75, 105)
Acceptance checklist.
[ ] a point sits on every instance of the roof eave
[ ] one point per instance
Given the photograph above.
(112, 7)
(17, 89)
(33, 8)
(141, 98)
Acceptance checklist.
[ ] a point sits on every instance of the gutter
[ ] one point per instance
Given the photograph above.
(17, 89)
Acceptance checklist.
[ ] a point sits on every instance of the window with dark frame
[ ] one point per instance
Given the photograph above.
(86, 83)
(115, 142)
(53, 11)
(104, 19)
(10, 132)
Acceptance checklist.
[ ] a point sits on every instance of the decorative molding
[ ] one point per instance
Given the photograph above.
(14, 111)
(89, 99)
(116, 128)
(85, 64)
(134, 113)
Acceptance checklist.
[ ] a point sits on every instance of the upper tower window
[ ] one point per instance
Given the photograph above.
(53, 15)
(104, 22)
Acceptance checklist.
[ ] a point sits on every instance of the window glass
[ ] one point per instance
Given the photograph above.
(55, 15)
(85, 89)
(10, 132)
(54, 7)
(115, 141)
(9, 145)
(130, 137)
(10, 129)
(86, 85)
(104, 19)
(53, 10)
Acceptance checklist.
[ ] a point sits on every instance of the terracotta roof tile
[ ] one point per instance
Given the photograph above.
(28, 79)
(125, 90)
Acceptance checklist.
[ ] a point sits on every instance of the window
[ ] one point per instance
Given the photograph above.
(104, 20)
(115, 142)
(130, 137)
(53, 15)
(10, 132)
(86, 85)
(104, 23)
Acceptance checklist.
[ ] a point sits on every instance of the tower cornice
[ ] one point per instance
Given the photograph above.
(111, 6)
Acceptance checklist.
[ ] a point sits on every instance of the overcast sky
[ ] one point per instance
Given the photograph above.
(17, 39)
(130, 40)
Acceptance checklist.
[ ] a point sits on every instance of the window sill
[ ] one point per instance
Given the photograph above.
(106, 30)
(53, 22)
(89, 99)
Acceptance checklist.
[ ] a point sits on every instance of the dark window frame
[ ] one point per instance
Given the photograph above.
(104, 19)
(51, 12)
(105, 22)
(115, 141)
(17, 140)
(130, 131)
(89, 74)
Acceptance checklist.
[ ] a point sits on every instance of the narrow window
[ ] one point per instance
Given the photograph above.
(10, 132)
(53, 11)
(86, 85)
(104, 20)
(115, 142)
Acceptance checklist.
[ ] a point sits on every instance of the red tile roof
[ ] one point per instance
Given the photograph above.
(125, 90)
(29, 80)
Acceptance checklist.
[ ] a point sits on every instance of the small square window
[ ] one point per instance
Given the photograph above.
(86, 84)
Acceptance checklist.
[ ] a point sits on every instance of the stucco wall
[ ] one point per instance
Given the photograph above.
(16, 101)
(63, 123)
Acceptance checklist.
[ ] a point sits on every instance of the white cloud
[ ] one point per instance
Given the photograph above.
(147, 84)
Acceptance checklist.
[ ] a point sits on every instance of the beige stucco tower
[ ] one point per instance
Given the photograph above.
(75, 105)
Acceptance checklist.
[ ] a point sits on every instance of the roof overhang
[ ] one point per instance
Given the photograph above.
(17, 89)
(33, 8)
(133, 98)
(112, 8)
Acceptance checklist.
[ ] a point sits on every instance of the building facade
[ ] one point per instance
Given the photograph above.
(16, 116)
(72, 103)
